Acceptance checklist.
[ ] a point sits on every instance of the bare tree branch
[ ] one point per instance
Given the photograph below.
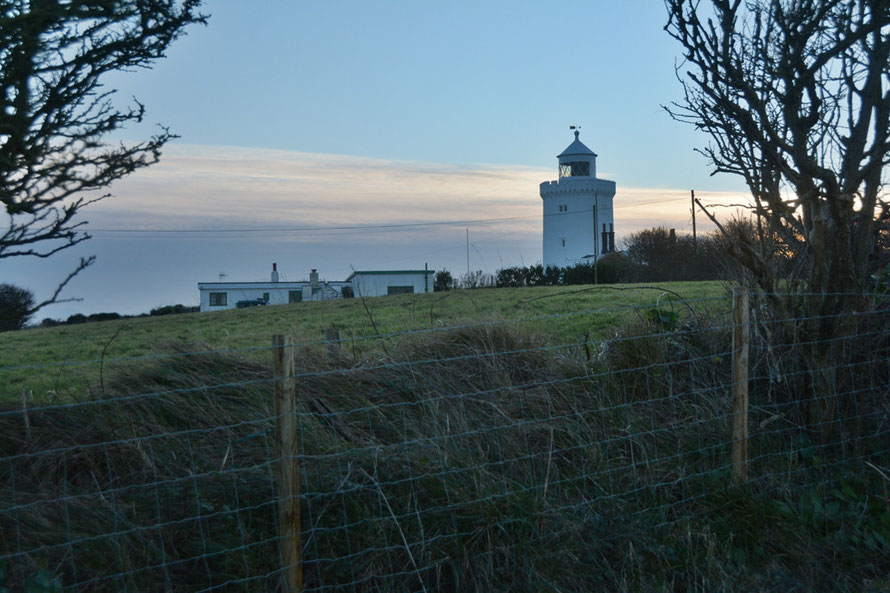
(55, 112)
(795, 97)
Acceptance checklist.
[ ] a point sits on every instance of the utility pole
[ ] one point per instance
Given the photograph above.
(596, 257)
(468, 255)
(694, 241)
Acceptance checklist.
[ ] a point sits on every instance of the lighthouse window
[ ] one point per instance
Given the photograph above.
(563, 242)
(579, 169)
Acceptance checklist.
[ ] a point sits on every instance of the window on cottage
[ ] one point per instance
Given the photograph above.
(577, 169)
(294, 296)
(266, 297)
(400, 290)
(218, 299)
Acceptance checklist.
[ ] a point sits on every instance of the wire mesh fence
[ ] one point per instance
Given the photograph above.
(489, 455)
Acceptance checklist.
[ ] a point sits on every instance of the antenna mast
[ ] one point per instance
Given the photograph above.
(468, 254)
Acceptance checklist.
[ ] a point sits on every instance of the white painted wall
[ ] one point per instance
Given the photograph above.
(580, 195)
(242, 291)
(370, 284)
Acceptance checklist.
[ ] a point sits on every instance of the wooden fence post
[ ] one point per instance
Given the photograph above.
(332, 337)
(740, 339)
(289, 469)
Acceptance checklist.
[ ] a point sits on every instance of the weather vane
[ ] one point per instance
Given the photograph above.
(574, 127)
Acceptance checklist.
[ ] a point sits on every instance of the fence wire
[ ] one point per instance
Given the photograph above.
(452, 458)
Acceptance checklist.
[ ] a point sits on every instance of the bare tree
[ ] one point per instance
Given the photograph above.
(56, 113)
(795, 97)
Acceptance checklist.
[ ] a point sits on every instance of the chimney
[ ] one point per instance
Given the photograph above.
(313, 278)
(274, 272)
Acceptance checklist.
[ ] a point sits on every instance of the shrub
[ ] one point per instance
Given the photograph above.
(16, 307)
(660, 254)
(611, 269)
(477, 279)
(443, 281)
(103, 316)
(171, 310)
(615, 267)
(510, 277)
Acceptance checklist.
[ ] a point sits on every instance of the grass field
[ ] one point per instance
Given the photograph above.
(484, 455)
(66, 361)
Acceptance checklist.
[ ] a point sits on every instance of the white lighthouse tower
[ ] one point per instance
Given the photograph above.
(578, 222)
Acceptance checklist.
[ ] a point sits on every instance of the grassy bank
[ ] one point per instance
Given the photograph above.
(61, 363)
(476, 459)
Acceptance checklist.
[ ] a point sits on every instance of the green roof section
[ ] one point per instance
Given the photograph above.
(381, 272)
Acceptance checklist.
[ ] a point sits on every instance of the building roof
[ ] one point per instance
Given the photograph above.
(266, 284)
(379, 272)
(576, 148)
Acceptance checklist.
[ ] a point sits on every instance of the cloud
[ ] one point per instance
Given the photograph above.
(211, 187)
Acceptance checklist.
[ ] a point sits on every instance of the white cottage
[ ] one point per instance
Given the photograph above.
(578, 222)
(216, 296)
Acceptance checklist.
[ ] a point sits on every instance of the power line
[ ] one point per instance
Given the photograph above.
(366, 227)
(358, 227)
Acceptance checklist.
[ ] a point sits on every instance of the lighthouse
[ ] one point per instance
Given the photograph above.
(578, 223)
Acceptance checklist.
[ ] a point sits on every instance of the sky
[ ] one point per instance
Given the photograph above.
(298, 120)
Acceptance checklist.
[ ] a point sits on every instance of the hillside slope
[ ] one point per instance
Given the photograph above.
(72, 361)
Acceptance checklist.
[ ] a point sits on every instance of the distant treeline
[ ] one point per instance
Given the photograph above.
(80, 318)
(653, 255)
